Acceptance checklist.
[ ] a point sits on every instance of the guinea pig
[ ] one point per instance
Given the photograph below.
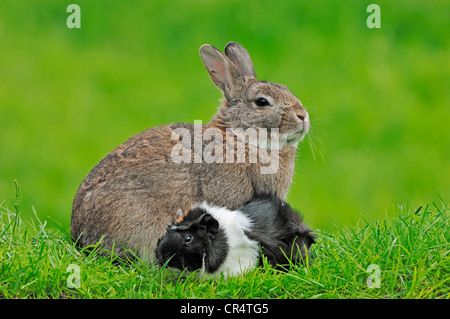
(214, 240)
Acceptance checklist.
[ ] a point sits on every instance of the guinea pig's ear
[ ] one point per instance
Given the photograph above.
(179, 213)
(209, 223)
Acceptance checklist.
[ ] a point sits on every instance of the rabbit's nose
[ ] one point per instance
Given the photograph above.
(302, 114)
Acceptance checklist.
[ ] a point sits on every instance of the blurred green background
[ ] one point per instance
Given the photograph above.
(378, 98)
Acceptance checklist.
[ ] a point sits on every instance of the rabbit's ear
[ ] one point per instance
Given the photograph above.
(222, 71)
(240, 57)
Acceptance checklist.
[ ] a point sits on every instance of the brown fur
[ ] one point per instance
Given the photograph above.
(135, 191)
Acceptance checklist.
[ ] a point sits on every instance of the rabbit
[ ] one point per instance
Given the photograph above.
(214, 240)
(128, 198)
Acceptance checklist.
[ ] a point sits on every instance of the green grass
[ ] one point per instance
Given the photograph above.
(378, 99)
(412, 251)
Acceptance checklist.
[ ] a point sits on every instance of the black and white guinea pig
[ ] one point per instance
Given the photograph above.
(216, 240)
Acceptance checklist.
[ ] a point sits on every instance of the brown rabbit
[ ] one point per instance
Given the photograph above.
(135, 191)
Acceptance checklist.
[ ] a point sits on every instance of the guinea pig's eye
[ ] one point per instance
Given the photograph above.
(260, 101)
(187, 239)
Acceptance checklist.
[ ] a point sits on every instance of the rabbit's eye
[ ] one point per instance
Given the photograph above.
(261, 102)
(188, 239)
